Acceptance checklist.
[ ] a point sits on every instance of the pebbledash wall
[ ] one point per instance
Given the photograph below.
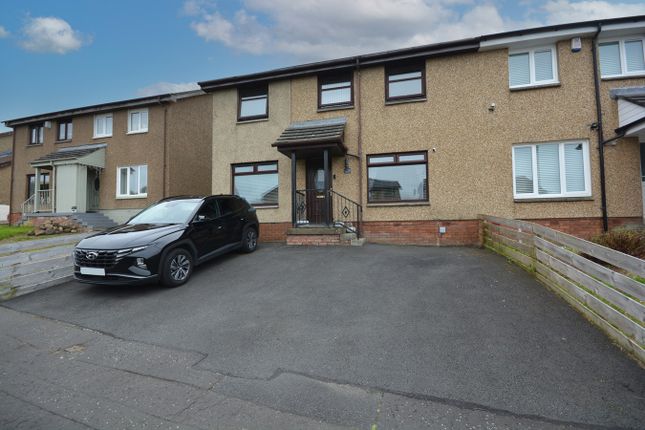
(176, 148)
(469, 146)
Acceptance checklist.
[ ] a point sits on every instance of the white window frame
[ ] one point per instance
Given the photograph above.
(118, 182)
(623, 58)
(96, 119)
(563, 179)
(532, 81)
(139, 111)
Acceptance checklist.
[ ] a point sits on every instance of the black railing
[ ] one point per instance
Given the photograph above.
(320, 207)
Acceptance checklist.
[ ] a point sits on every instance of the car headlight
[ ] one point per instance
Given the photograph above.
(139, 248)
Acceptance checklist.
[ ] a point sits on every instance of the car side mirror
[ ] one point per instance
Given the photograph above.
(200, 218)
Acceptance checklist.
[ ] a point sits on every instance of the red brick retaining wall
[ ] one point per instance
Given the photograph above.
(584, 228)
(422, 232)
(274, 231)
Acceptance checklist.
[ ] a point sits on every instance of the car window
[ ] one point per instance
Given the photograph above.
(209, 211)
(229, 205)
(166, 212)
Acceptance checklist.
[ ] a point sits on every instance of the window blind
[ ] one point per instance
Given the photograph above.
(523, 170)
(634, 56)
(548, 167)
(543, 65)
(610, 59)
(519, 69)
(574, 167)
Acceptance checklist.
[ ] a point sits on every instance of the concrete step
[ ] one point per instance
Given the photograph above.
(94, 220)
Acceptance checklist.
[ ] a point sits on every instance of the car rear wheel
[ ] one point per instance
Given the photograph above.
(177, 268)
(249, 240)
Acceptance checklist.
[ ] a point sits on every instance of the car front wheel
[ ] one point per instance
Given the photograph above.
(249, 240)
(177, 268)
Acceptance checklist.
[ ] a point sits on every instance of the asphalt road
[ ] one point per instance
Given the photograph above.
(288, 337)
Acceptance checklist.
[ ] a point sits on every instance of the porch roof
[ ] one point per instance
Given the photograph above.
(307, 138)
(5, 158)
(89, 155)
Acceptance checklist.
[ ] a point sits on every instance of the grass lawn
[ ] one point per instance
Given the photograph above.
(14, 232)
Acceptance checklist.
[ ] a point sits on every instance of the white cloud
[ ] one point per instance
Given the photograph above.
(3, 32)
(559, 11)
(51, 35)
(315, 29)
(166, 88)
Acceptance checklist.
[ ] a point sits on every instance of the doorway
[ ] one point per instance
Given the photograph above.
(318, 202)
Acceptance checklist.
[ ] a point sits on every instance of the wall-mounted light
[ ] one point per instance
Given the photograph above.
(347, 170)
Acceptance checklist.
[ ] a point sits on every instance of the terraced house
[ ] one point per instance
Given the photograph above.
(406, 146)
(104, 163)
(541, 124)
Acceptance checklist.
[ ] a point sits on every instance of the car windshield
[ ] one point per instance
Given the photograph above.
(168, 212)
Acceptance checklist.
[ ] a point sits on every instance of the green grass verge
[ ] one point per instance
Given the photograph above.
(14, 232)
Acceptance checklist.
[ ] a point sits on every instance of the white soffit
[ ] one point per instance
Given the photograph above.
(550, 37)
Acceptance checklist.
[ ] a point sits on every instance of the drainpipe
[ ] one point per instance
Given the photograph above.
(13, 168)
(359, 132)
(166, 185)
(601, 138)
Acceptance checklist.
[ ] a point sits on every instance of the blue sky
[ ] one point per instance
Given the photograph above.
(65, 53)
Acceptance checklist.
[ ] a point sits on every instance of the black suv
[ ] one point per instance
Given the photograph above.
(167, 240)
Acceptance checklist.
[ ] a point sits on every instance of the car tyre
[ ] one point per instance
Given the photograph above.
(176, 268)
(249, 240)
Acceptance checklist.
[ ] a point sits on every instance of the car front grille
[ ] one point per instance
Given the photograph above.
(98, 257)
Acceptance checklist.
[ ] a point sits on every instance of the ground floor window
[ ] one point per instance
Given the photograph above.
(399, 177)
(257, 182)
(549, 170)
(132, 181)
(31, 183)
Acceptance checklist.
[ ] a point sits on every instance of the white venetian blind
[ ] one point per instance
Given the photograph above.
(548, 167)
(523, 170)
(634, 55)
(543, 65)
(574, 167)
(610, 59)
(519, 69)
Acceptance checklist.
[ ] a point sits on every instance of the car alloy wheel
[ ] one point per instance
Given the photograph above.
(179, 267)
(250, 240)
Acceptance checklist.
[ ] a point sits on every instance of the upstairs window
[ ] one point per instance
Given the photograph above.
(253, 103)
(132, 181)
(401, 177)
(405, 82)
(36, 134)
(624, 57)
(551, 170)
(257, 183)
(103, 125)
(532, 67)
(137, 121)
(335, 91)
(65, 129)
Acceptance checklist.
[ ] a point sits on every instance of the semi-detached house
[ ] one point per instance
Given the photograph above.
(406, 146)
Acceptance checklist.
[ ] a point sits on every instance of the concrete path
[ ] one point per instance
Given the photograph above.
(385, 336)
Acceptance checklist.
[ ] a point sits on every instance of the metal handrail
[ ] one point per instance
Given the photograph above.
(337, 210)
(28, 205)
(44, 203)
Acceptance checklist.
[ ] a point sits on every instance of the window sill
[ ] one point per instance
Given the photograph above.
(535, 87)
(101, 137)
(397, 204)
(266, 207)
(63, 141)
(250, 121)
(621, 77)
(29, 145)
(402, 101)
(136, 132)
(333, 108)
(554, 199)
(140, 196)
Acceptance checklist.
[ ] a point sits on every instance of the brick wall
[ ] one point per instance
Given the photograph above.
(14, 218)
(274, 232)
(422, 232)
(585, 228)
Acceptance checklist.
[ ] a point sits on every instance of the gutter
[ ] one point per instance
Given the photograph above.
(13, 154)
(601, 138)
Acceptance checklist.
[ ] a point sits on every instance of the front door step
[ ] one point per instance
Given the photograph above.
(322, 236)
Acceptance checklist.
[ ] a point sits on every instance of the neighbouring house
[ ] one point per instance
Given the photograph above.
(544, 124)
(6, 143)
(113, 158)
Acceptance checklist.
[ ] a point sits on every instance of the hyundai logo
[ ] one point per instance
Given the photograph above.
(91, 255)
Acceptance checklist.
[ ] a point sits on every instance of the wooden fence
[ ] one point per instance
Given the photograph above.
(606, 286)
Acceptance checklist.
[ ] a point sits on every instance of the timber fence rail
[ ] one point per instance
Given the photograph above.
(606, 286)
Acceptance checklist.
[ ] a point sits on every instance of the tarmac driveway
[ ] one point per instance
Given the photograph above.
(400, 337)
